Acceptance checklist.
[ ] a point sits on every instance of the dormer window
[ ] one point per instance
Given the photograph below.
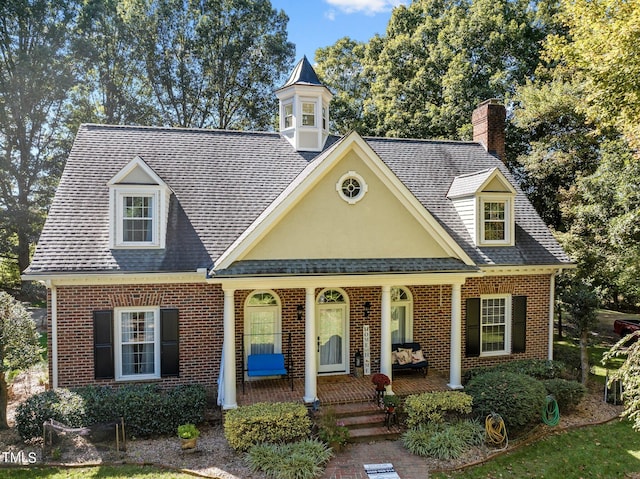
(308, 114)
(324, 118)
(139, 204)
(485, 203)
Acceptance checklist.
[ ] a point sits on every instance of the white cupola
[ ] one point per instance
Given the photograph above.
(304, 108)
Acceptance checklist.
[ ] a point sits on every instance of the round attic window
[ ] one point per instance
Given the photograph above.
(351, 187)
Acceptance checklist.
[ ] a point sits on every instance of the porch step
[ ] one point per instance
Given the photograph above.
(365, 421)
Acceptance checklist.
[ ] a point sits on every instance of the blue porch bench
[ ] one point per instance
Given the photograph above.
(265, 365)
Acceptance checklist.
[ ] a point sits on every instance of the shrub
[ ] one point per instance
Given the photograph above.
(536, 368)
(298, 460)
(266, 422)
(331, 430)
(147, 410)
(567, 394)
(60, 405)
(435, 406)
(443, 441)
(518, 398)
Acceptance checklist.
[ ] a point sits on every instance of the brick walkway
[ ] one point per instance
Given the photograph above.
(349, 464)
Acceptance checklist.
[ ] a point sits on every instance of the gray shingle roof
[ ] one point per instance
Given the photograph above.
(223, 180)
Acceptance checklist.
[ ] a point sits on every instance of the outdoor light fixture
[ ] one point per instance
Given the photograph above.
(367, 308)
(300, 312)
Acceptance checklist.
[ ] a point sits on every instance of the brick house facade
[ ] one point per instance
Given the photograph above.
(171, 254)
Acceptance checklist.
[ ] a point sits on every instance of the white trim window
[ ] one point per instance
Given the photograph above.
(351, 187)
(401, 315)
(263, 324)
(137, 332)
(137, 221)
(495, 325)
(287, 115)
(496, 226)
(308, 113)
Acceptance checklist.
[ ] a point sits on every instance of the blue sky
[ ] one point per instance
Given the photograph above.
(320, 23)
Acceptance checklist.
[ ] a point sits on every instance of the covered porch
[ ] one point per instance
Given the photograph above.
(338, 389)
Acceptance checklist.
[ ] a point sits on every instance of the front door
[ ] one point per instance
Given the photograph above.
(332, 332)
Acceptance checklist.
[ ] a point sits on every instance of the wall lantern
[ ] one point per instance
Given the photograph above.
(367, 309)
(300, 312)
(357, 359)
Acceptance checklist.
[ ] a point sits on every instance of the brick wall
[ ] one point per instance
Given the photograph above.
(201, 323)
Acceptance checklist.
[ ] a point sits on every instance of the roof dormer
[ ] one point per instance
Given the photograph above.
(138, 207)
(485, 202)
(304, 108)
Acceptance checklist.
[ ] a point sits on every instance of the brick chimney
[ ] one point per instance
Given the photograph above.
(488, 126)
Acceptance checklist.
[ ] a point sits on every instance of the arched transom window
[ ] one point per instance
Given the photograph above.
(401, 315)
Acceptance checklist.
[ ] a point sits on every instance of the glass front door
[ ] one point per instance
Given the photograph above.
(331, 338)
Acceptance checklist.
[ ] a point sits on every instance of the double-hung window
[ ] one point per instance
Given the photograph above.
(495, 325)
(137, 335)
(137, 219)
(287, 114)
(496, 226)
(308, 114)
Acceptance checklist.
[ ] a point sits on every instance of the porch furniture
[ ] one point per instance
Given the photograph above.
(268, 365)
(412, 364)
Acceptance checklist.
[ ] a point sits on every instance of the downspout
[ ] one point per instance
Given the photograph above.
(552, 305)
(54, 336)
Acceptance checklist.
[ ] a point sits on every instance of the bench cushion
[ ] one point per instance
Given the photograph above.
(266, 365)
(414, 347)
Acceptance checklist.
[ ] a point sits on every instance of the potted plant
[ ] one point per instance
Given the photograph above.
(333, 431)
(380, 380)
(189, 434)
(390, 401)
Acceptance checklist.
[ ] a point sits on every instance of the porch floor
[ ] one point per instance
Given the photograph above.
(337, 389)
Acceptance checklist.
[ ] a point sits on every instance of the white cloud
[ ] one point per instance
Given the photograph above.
(330, 15)
(368, 7)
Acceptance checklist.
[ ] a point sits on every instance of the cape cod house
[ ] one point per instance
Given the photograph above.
(171, 254)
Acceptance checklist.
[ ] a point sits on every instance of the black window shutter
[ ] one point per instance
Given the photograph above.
(473, 328)
(169, 344)
(103, 344)
(519, 325)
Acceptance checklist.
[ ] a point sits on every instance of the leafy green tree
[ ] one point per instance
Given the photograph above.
(206, 66)
(629, 374)
(35, 78)
(581, 302)
(441, 58)
(602, 50)
(341, 68)
(19, 345)
(112, 87)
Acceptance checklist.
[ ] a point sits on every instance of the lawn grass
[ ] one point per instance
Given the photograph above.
(607, 451)
(110, 472)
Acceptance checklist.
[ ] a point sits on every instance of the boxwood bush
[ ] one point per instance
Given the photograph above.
(266, 422)
(435, 406)
(518, 398)
(536, 368)
(567, 394)
(147, 409)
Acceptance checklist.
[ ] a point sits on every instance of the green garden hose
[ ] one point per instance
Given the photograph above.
(550, 412)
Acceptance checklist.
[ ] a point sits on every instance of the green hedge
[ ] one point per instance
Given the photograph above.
(147, 409)
(567, 394)
(536, 368)
(518, 398)
(435, 406)
(266, 422)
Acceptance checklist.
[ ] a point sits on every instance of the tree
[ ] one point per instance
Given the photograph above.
(19, 345)
(581, 302)
(602, 50)
(441, 58)
(629, 374)
(341, 68)
(112, 87)
(206, 67)
(35, 78)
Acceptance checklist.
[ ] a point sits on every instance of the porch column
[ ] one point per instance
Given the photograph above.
(229, 358)
(385, 332)
(310, 359)
(455, 364)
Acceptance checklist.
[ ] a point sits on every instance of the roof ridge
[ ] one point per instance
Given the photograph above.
(421, 140)
(177, 128)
